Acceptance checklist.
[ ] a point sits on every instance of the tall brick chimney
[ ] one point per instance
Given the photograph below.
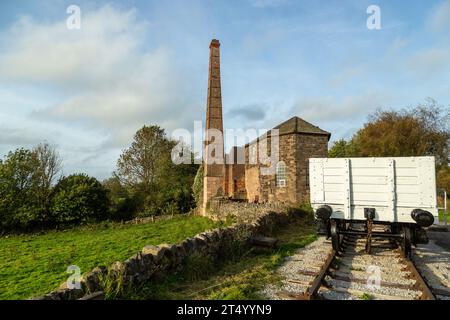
(214, 174)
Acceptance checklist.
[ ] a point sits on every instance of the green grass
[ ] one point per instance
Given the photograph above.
(366, 296)
(32, 265)
(241, 276)
(441, 216)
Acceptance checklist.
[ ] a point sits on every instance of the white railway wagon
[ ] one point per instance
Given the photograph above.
(399, 192)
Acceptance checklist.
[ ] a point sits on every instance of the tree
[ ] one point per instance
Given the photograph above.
(443, 178)
(143, 163)
(26, 179)
(343, 149)
(146, 170)
(176, 188)
(46, 172)
(421, 131)
(197, 187)
(18, 186)
(79, 198)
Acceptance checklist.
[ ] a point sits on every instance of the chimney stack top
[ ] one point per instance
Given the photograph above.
(214, 43)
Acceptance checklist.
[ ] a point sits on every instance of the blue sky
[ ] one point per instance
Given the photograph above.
(143, 62)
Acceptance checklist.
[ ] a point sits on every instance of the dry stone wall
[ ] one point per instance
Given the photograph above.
(155, 262)
(242, 211)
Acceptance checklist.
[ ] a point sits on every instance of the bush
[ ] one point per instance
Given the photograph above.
(122, 208)
(123, 204)
(79, 198)
(169, 197)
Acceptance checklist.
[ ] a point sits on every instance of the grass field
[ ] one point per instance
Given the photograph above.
(441, 216)
(240, 277)
(31, 265)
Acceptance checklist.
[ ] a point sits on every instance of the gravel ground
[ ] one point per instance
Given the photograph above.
(308, 258)
(440, 235)
(432, 260)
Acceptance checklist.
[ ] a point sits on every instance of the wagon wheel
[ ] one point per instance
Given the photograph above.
(406, 242)
(334, 228)
(394, 230)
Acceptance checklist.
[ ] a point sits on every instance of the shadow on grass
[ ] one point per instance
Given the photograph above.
(241, 275)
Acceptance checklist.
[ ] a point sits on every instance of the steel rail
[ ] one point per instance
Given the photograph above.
(421, 284)
(319, 277)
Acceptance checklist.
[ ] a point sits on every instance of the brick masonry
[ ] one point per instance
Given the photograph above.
(214, 174)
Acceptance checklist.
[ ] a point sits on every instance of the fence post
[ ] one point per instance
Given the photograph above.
(445, 207)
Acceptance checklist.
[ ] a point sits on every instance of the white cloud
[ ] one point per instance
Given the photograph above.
(110, 82)
(396, 47)
(110, 79)
(342, 117)
(49, 52)
(439, 18)
(329, 109)
(429, 63)
(347, 75)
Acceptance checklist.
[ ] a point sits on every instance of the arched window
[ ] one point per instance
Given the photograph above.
(281, 174)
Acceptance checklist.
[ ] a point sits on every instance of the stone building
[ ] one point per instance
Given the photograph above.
(288, 182)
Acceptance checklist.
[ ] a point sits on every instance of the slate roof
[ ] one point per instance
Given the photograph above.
(295, 125)
(298, 125)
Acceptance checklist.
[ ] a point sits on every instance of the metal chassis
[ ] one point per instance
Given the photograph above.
(402, 233)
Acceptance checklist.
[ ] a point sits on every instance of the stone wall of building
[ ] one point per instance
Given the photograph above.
(252, 183)
(153, 263)
(287, 150)
(295, 150)
(235, 175)
(308, 146)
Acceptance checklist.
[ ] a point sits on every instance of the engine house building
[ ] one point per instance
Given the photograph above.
(288, 182)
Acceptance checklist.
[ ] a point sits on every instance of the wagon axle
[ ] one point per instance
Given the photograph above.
(404, 234)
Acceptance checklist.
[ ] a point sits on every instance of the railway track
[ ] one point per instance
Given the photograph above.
(319, 272)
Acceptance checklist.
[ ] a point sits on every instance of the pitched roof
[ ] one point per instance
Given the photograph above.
(298, 125)
(295, 125)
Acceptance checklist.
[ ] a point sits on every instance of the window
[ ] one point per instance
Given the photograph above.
(281, 174)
